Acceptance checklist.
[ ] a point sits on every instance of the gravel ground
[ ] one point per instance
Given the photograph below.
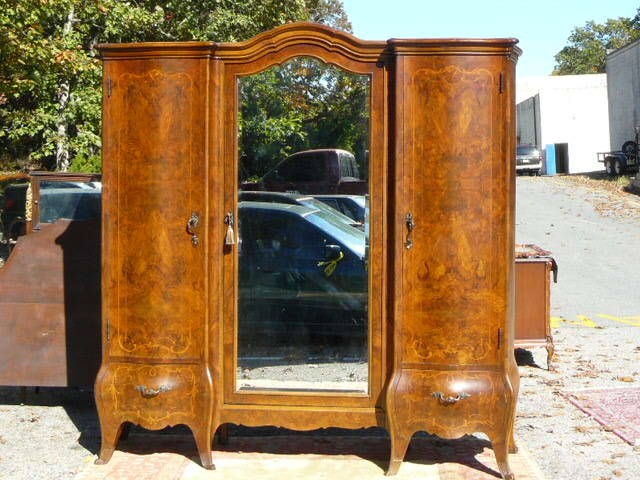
(593, 234)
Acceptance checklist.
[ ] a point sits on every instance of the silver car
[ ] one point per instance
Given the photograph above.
(528, 159)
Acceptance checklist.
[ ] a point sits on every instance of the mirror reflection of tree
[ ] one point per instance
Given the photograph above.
(299, 105)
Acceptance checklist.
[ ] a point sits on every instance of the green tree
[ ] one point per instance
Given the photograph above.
(588, 45)
(50, 74)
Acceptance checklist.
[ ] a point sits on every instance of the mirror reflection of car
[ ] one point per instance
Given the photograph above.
(302, 272)
(329, 170)
(352, 206)
(298, 199)
(528, 159)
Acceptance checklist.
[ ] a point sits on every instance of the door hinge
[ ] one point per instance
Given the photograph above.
(502, 86)
(108, 330)
(500, 336)
(109, 87)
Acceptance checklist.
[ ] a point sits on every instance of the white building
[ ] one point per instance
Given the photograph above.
(570, 114)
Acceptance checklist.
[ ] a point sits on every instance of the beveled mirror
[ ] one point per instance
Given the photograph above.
(303, 229)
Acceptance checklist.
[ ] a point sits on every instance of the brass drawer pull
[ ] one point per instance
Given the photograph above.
(147, 392)
(445, 400)
(192, 224)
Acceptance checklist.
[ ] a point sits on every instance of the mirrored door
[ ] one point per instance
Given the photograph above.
(303, 250)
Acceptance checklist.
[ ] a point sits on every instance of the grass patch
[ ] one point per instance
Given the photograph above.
(601, 181)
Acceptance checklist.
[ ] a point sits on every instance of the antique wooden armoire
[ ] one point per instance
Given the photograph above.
(186, 281)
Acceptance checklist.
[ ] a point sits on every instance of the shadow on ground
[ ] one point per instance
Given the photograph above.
(77, 403)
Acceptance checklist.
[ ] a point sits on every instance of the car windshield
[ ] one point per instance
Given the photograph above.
(359, 200)
(318, 205)
(527, 150)
(350, 236)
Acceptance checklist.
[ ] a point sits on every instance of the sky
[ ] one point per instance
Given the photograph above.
(542, 26)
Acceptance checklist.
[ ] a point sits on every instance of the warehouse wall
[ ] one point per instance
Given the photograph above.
(573, 110)
(623, 84)
(529, 121)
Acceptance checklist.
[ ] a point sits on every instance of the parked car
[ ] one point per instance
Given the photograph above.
(352, 206)
(298, 199)
(528, 159)
(302, 272)
(329, 170)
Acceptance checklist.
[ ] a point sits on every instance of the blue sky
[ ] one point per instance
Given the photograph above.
(542, 26)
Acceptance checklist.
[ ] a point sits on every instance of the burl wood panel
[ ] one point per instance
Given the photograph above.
(453, 278)
(154, 180)
(50, 307)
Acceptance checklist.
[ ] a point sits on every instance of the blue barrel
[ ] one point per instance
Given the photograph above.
(550, 159)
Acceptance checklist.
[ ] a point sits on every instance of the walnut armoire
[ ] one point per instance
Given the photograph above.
(441, 220)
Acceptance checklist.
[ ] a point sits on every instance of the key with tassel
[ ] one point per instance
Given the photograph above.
(230, 238)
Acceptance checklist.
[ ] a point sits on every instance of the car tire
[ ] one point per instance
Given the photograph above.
(608, 167)
(618, 169)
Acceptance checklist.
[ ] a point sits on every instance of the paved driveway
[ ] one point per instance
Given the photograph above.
(598, 255)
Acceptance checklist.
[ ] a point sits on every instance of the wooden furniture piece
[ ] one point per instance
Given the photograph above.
(441, 223)
(50, 313)
(533, 300)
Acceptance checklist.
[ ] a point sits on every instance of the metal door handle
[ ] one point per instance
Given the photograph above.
(411, 224)
(192, 224)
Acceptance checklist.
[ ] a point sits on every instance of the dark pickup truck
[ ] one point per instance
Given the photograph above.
(320, 171)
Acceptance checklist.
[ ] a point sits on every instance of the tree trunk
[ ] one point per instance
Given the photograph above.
(62, 147)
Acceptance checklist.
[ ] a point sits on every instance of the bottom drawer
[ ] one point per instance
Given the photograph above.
(453, 403)
(153, 396)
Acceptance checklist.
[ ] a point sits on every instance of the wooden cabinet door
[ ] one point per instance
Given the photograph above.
(154, 183)
(452, 214)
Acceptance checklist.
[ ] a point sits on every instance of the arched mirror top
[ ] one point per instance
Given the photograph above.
(304, 38)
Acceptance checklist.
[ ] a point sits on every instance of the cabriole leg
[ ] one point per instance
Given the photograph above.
(203, 443)
(551, 350)
(399, 444)
(110, 433)
(500, 451)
